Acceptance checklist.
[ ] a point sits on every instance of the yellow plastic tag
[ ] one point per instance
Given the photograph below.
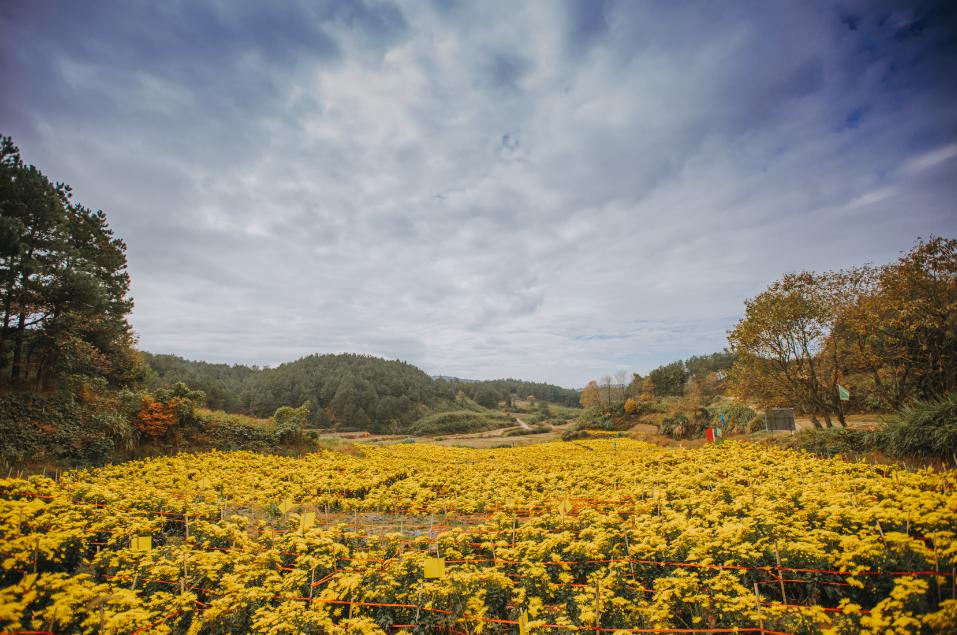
(307, 520)
(28, 580)
(204, 483)
(523, 623)
(141, 543)
(434, 567)
(285, 506)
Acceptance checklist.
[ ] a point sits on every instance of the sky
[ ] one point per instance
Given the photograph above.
(547, 190)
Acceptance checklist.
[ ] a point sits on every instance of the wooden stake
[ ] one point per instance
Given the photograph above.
(937, 570)
(182, 583)
(757, 605)
(777, 556)
(597, 604)
(628, 554)
(418, 603)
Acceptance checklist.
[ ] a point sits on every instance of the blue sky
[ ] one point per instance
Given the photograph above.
(549, 190)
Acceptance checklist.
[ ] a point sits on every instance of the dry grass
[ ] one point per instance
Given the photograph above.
(863, 421)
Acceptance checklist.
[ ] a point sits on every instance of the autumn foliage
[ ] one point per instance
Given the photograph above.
(631, 406)
(156, 418)
(889, 334)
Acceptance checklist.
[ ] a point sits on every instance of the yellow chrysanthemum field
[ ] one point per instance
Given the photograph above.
(606, 535)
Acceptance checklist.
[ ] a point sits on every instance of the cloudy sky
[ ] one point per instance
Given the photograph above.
(548, 190)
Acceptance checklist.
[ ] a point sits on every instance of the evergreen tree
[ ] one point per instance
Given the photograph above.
(64, 284)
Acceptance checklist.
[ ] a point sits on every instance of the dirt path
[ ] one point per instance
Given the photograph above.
(524, 425)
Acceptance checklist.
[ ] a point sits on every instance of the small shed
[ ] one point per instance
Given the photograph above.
(779, 420)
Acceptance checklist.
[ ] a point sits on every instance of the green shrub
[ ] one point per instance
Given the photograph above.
(290, 421)
(229, 435)
(738, 416)
(574, 435)
(831, 441)
(520, 432)
(220, 416)
(924, 428)
(685, 424)
(594, 419)
(561, 414)
(459, 421)
(61, 428)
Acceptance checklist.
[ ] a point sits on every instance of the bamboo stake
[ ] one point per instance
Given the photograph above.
(597, 604)
(631, 563)
(182, 582)
(418, 603)
(937, 569)
(777, 556)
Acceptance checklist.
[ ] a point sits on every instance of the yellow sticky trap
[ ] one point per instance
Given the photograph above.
(510, 503)
(204, 483)
(307, 520)
(285, 506)
(141, 543)
(523, 623)
(28, 580)
(434, 567)
(564, 507)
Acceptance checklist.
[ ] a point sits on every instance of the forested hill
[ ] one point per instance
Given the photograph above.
(222, 383)
(357, 391)
(354, 391)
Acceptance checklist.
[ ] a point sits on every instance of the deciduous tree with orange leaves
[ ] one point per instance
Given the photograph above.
(156, 418)
(893, 329)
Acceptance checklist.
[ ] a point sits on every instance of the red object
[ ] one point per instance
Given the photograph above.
(709, 434)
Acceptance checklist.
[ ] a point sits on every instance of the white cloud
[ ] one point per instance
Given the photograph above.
(486, 189)
(930, 159)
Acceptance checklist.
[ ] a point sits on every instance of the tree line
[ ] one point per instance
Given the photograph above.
(873, 339)
(706, 374)
(879, 336)
(347, 391)
(63, 285)
(494, 392)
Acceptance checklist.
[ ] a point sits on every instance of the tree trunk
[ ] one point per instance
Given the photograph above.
(7, 306)
(835, 383)
(827, 418)
(3, 331)
(18, 346)
(840, 411)
(22, 316)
